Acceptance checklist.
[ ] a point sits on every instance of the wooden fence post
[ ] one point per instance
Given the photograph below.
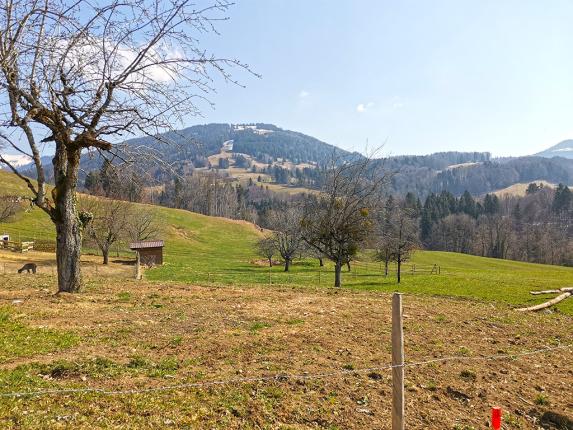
(397, 364)
(137, 266)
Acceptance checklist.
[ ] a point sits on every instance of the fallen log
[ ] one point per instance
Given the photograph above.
(551, 302)
(560, 290)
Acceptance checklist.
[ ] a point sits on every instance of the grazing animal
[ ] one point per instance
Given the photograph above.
(28, 267)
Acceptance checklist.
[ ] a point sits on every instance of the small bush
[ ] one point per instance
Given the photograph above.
(176, 341)
(464, 350)
(258, 325)
(137, 362)
(124, 296)
(468, 375)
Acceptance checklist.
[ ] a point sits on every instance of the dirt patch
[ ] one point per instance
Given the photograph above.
(150, 335)
(265, 263)
(92, 266)
(183, 233)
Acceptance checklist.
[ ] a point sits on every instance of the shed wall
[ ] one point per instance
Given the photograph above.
(151, 256)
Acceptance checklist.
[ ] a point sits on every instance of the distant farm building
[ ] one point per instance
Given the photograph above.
(150, 251)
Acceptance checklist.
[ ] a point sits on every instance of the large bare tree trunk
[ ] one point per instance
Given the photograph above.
(287, 264)
(337, 274)
(68, 226)
(68, 252)
(105, 253)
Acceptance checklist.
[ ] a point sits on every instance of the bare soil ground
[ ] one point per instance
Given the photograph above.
(141, 335)
(10, 262)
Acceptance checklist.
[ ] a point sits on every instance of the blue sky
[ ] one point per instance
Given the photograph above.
(422, 76)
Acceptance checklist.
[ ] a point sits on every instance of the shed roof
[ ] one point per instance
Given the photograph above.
(146, 244)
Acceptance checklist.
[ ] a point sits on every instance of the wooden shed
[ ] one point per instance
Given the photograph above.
(150, 251)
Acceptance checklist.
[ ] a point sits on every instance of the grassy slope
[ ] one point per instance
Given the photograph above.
(201, 249)
(187, 234)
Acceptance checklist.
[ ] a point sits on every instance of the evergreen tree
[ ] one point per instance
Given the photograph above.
(467, 204)
(491, 204)
(563, 200)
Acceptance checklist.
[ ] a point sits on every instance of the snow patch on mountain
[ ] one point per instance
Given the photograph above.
(254, 128)
(16, 160)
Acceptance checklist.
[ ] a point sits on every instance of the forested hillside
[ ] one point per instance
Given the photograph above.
(293, 159)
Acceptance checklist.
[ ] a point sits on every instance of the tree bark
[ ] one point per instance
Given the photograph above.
(105, 253)
(348, 265)
(271, 262)
(386, 267)
(337, 274)
(320, 262)
(65, 217)
(287, 264)
(399, 273)
(68, 249)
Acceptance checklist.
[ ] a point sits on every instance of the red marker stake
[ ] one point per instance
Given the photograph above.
(496, 418)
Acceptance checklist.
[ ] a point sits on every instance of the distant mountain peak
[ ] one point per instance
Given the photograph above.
(17, 160)
(562, 149)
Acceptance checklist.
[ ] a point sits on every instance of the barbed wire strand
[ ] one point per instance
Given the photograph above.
(280, 377)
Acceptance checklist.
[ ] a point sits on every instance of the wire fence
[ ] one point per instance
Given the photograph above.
(280, 377)
(256, 272)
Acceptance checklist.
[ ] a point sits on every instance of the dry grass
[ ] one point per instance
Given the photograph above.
(519, 190)
(151, 334)
(120, 267)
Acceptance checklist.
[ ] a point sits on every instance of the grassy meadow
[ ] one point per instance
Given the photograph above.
(216, 312)
(217, 251)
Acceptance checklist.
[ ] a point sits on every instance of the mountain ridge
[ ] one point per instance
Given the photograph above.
(563, 149)
(287, 156)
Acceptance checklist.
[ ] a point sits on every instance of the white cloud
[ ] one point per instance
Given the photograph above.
(88, 57)
(397, 103)
(363, 107)
(303, 94)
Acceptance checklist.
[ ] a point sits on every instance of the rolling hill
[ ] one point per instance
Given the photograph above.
(201, 241)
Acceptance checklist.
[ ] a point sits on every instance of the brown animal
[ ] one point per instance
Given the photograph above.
(28, 267)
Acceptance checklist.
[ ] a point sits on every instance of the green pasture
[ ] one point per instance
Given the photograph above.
(217, 251)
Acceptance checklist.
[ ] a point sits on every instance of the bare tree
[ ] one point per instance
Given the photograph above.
(383, 240)
(8, 208)
(142, 224)
(76, 75)
(340, 219)
(403, 236)
(287, 234)
(266, 248)
(109, 223)
(397, 234)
